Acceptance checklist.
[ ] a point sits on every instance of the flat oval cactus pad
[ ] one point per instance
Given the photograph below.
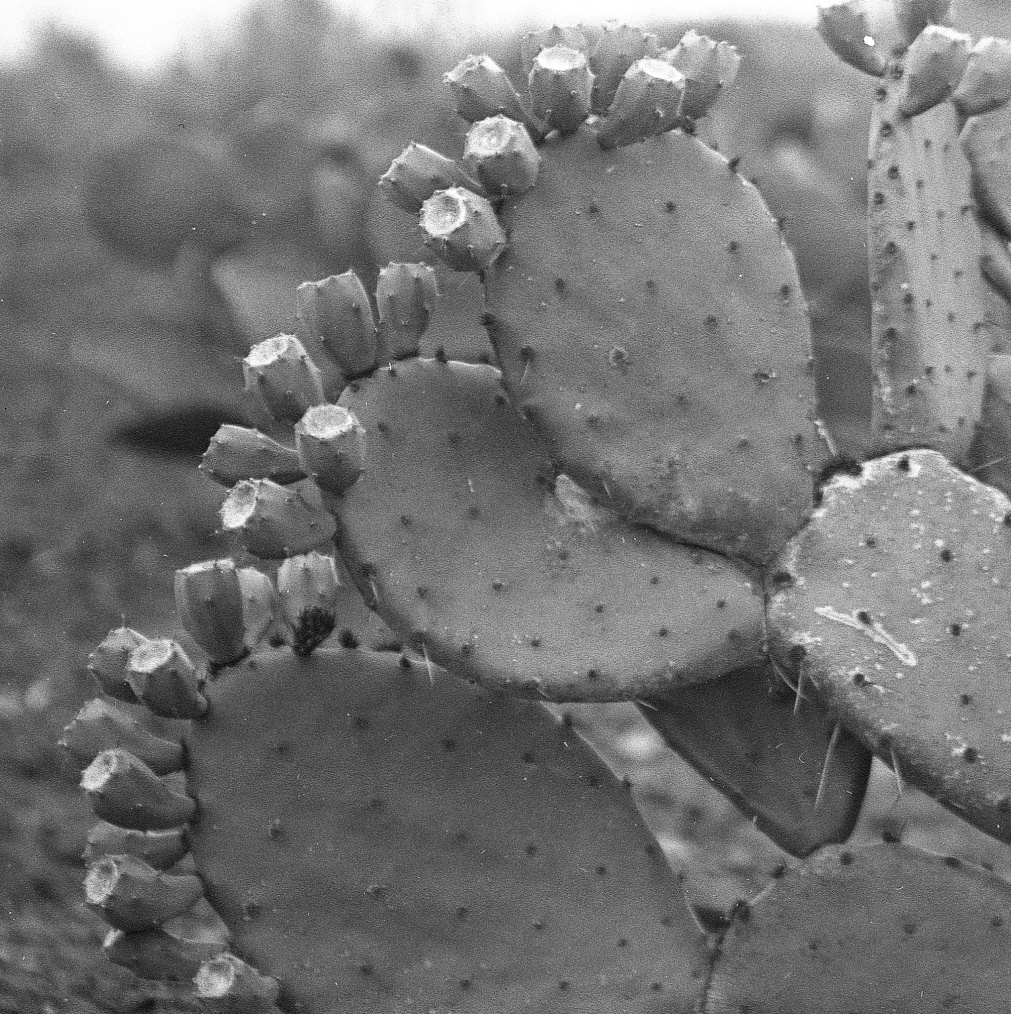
(457, 539)
(898, 617)
(649, 322)
(782, 759)
(380, 839)
(882, 928)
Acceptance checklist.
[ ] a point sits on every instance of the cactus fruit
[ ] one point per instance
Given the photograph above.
(405, 295)
(238, 452)
(417, 173)
(209, 603)
(561, 83)
(274, 521)
(882, 928)
(846, 31)
(708, 67)
(461, 227)
(282, 377)
(330, 444)
(307, 588)
(897, 619)
(501, 154)
(335, 314)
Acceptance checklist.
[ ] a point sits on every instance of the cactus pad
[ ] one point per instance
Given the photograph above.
(898, 619)
(456, 539)
(649, 322)
(379, 840)
(883, 928)
(779, 757)
(930, 335)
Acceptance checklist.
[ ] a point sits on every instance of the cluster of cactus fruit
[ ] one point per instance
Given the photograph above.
(637, 502)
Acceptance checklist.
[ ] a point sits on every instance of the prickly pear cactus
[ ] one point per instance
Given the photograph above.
(931, 331)
(764, 744)
(624, 508)
(374, 833)
(815, 939)
(897, 617)
(645, 312)
(467, 544)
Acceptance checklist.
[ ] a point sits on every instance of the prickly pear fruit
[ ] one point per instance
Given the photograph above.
(846, 31)
(882, 928)
(100, 726)
(986, 83)
(454, 536)
(481, 89)
(897, 621)
(239, 452)
(417, 173)
(708, 67)
(331, 447)
(307, 588)
(337, 314)
(560, 85)
(281, 376)
(501, 153)
(274, 521)
(647, 103)
(208, 600)
(772, 751)
(504, 867)
(406, 294)
(617, 47)
(914, 16)
(461, 228)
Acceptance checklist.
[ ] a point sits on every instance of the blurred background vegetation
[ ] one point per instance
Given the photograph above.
(152, 226)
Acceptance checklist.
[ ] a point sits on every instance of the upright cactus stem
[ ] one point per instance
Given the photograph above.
(930, 326)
